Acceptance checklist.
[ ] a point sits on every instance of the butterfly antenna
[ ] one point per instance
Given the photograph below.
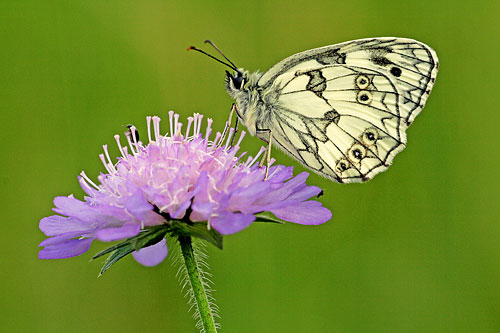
(222, 54)
(233, 67)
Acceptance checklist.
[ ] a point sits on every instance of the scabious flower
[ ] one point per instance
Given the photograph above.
(175, 177)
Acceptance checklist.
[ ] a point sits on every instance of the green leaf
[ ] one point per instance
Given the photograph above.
(110, 249)
(114, 257)
(153, 235)
(148, 236)
(145, 238)
(212, 236)
(198, 230)
(268, 218)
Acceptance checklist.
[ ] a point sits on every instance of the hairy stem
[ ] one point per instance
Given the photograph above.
(193, 272)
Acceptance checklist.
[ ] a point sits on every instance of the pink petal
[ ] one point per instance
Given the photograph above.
(181, 211)
(201, 211)
(112, 234)
(72, 207)
(67, 249)
(56, 225)
(305, 193)
(152, 255)
(285, 191)
(283, 173)
(62, 238)
(307, 212)
(135, 203)
(245, 196)
(229, 223)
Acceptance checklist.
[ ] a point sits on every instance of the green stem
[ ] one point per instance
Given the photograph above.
(199, 293)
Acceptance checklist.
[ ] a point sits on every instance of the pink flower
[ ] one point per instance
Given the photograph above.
(176, 177)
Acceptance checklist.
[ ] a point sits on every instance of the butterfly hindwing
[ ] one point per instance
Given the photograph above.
(343, 110)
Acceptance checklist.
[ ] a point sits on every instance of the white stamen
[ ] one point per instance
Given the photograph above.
(171, 122)
(195, 123)
(200, 118)
(106, 164)
(217, 137)
(178, 128)
(228, 141)
(242, 135)
(87, 179)
(117, 139)
(188, 127)
(249, 159)
(176, 121)
(108, 158)
(163, 208)
(148, 118)
(83, 183)
(223, 133)
(130, 144)
(274, 171)
(133, 131)
(209, 128)
(240, 156)
(261, 150)
(156, 127)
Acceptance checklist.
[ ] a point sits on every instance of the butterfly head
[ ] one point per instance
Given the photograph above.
(236, 81)
(240, 85)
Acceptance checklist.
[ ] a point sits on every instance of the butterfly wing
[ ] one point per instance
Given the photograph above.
(343, 110)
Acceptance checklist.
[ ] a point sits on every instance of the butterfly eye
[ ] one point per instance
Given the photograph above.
(342, 165)
(362, 81)
(370, 136)
(364, 97)
(237, 81)
(357, 152)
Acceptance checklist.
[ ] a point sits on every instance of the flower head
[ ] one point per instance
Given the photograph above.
(176, 177)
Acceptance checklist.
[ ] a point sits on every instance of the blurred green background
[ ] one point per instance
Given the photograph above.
(415, 250)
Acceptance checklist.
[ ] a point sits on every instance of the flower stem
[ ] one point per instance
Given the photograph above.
(200, 296)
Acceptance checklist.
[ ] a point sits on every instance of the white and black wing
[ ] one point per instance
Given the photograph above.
(343, 110)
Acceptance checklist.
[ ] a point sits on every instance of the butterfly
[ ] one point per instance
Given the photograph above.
(340, 110)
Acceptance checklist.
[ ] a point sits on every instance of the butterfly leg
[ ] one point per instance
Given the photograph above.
(235, 130)
(228, 125)
(267, 156)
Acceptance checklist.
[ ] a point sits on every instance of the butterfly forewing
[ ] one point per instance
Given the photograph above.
(343, 110)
